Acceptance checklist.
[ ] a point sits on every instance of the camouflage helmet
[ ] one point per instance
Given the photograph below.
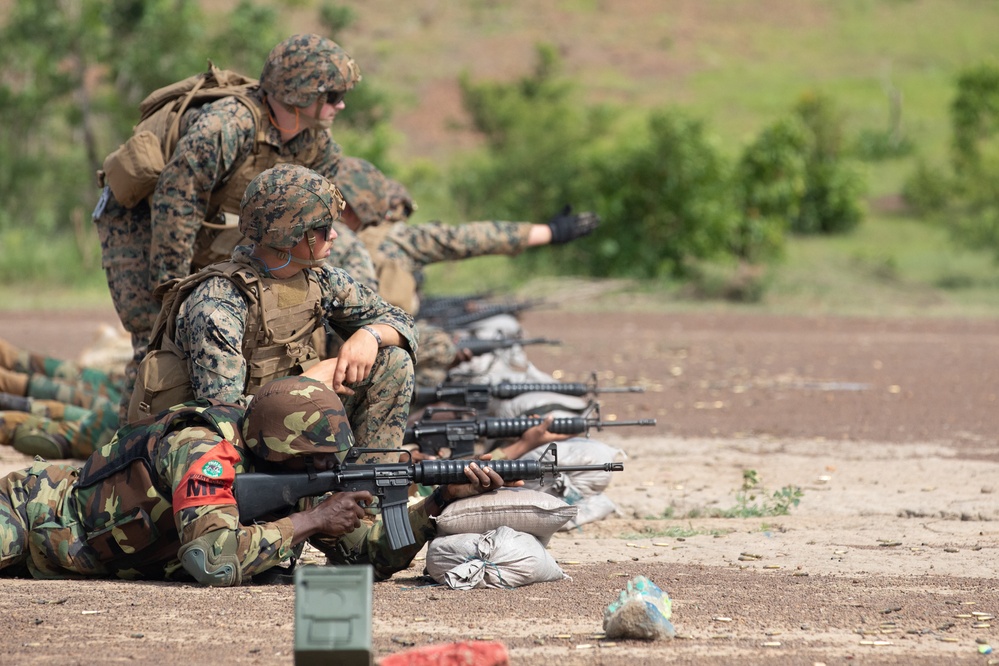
(365, 189)
(295, 416)
(303, 67)
(400, 203)
(284, 202)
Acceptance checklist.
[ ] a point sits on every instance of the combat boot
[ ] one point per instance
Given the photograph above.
(9, 421)
(34, 441)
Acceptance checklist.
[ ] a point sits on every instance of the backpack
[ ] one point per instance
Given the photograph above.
(132, 170)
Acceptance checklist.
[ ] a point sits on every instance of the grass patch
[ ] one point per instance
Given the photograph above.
(754, 501)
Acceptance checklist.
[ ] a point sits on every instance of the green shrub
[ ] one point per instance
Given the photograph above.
(769, 184)
(834, 187)
(665, 199)
(928, 189)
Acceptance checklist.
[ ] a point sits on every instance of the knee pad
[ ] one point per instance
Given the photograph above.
(212, 560)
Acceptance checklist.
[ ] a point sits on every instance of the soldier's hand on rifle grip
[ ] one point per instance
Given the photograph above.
(341, 513)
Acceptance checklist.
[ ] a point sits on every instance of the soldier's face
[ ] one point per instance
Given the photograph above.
(318, 248)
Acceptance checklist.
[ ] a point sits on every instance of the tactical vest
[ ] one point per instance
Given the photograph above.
(396, 282)
(282, 316)
(124, 510)
(133, 169)
(219, 233)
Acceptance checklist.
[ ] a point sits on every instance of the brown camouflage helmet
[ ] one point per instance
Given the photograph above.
(365, 189)
(400, 203)
(284, 202)
(303, 67)
(295, 416)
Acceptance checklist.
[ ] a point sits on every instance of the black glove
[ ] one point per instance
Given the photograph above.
(567, 226)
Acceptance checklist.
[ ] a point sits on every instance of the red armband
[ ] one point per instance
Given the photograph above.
(209, 480)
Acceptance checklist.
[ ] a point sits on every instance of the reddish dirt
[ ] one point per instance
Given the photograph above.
(886, 425)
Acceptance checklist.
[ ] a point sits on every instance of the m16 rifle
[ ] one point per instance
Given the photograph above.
(480, 346)
(477, 396)
(437, 307)
(465, 320)
(460, 435)
(258, 494)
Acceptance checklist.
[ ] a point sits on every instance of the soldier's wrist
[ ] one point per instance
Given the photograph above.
(374, 333)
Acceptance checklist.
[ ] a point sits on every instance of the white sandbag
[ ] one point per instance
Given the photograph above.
(522, 509)
(500, 558)
(590, 510)
(539, 402)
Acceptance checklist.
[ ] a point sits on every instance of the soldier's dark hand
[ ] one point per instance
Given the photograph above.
(481, 479)
(341, 513)
(567, 226)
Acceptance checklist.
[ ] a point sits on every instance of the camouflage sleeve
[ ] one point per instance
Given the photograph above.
(328, 157)
(199, 465)
(349, 305)
(432, 242)
(350, 254)
(369, 544)
(210, 328)
(219, 137)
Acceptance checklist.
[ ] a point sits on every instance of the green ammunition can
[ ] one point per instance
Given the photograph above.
(333, 615)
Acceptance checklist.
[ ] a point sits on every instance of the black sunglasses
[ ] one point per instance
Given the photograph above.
(334, 97)
(323, 231)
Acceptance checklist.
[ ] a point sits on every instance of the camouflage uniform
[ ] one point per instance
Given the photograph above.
(399, 251)
(62, 410)
(210, 332)
(219, 151)
(157, 502)
(280, 208)
(350, 254)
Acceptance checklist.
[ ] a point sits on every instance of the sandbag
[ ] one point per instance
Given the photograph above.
(500, 558)
(524, 510)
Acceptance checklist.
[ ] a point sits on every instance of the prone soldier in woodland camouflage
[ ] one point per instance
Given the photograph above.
(54, 408)
(236, 325)
(157, 502)
(222, 146)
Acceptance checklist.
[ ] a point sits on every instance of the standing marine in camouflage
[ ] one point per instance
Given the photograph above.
(237, 325)
(54, 408)
(220, 149)
(158, 503)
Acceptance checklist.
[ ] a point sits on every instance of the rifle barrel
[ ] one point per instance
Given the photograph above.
(638, 422)
(619, 389)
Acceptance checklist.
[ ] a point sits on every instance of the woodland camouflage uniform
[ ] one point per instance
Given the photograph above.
(218, 153)
(163, 488)
(55, 408)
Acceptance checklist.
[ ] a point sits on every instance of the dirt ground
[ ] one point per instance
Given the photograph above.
(888, 427)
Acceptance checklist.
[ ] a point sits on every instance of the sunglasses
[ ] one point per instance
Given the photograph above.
(334, 97)
(324, 231)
